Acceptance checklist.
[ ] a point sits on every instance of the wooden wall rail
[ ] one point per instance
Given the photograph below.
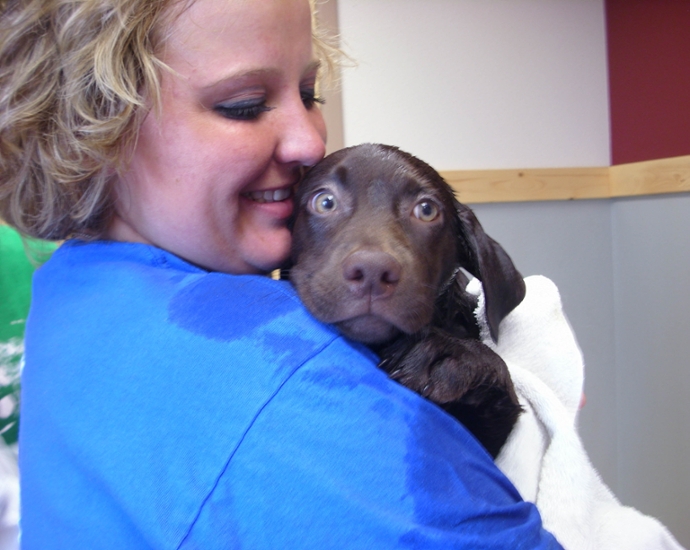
(539, 184)
(651, 177)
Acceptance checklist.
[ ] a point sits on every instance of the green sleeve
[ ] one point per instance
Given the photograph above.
(18, 260)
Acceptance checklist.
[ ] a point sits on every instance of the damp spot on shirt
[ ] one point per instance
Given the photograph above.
(284, 349)
(383, 408)
(447, 478)
(341, 377)
(225, 307)
(332, 378)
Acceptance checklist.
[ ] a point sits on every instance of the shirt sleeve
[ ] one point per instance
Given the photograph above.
(342, 457)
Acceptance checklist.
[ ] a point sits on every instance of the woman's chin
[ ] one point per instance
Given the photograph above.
(268, 253)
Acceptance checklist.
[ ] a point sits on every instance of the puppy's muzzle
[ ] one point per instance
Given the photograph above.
(371, 273)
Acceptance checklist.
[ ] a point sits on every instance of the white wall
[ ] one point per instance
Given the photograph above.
(479, 83)
(473, 84)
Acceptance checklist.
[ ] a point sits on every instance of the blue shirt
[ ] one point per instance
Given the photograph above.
(167, 407)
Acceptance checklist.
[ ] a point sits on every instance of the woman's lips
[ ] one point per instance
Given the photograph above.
(274, 203)
(272, 195)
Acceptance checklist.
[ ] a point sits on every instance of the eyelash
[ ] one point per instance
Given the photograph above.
(250, 110)
(244, 110)
(309, 98)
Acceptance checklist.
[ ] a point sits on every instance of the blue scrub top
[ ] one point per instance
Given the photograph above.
(165, 406)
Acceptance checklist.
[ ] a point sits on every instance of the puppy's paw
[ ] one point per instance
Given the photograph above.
(438, 365)
(465, 377)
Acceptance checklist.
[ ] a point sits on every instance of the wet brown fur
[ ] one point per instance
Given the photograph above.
(364, 260)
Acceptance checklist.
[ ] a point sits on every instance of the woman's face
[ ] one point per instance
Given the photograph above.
(211, 176)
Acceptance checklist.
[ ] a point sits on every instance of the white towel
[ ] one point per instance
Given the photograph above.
(544, 456)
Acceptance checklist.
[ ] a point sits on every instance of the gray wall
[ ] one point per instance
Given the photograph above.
(623, 270)
(651, 245)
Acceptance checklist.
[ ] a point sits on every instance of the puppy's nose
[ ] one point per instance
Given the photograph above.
(371, 272)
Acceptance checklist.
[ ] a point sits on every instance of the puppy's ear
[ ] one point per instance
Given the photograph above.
(504, 287)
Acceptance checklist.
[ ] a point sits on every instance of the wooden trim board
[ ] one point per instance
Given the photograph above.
(653, 177)
(671, 175)
(539, 184)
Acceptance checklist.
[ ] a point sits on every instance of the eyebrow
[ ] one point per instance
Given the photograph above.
(314, 66)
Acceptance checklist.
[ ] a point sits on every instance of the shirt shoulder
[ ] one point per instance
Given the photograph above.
(342, 456)
(220, 414)
(143, 374)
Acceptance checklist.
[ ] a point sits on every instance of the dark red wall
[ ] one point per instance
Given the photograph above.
(649, 78)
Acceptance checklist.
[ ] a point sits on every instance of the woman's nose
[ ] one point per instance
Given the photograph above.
(302, 136)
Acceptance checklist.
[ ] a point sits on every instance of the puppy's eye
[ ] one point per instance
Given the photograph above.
(426, 211)
(324, 202)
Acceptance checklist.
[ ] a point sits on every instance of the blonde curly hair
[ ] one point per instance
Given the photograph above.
(75, 79)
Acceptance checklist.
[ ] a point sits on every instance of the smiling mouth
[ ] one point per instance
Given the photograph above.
(274, 195)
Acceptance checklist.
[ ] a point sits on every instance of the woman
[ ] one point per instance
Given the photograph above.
(173, 396)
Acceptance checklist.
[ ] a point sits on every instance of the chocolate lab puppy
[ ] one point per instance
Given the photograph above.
(380, 249)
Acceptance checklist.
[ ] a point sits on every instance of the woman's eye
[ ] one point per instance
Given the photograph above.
(242, 110)
(309, 98)
(426, 211)
(324, 202)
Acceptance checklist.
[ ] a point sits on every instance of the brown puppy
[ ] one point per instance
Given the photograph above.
(379, 241)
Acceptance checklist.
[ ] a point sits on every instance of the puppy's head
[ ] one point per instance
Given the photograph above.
(378, 234)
